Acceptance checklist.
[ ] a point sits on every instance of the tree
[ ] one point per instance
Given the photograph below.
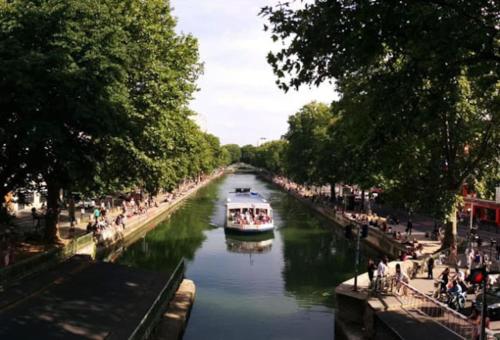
(93, 95)
(248, 154)
(271, 156)
(419, 78)
(234, 152)
(306, 136)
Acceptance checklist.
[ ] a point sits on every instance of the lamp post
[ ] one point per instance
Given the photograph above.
(260, 141)
(471, 217)
(484, 310)
(356, 262)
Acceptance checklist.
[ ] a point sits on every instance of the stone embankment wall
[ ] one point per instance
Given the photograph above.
(376, 238)
(86, 244)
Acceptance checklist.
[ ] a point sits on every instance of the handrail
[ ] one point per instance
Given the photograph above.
(144, 327)
(437, 311)
(425, 296)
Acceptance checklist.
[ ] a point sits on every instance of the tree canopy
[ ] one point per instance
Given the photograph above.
(307, 136)
(94, 97)
(418, 85)
(234, 152)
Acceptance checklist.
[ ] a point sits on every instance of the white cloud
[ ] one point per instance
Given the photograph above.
(239, 99)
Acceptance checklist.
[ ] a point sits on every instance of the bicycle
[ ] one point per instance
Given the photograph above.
(439, 293)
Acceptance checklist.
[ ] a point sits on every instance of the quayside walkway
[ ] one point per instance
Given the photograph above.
(392, 314)
(84, 299)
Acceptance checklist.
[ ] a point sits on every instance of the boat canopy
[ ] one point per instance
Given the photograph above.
(241, 190)
(246, 199)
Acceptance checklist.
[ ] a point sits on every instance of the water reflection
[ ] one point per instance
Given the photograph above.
(178, 237)
(312, 246)
(271, 286)
(249, 244)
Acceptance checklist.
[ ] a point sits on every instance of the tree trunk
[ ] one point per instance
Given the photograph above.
(363, 200)
(52, 215)
(450, 236)
(333, 198)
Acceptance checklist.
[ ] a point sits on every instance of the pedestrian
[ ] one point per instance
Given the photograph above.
(401, 277)
(381, 273)
(475, 319)
(470, 259)
(444, 276)
(97, 214)
(453, 257)
(36, 218)
(371, 271)
(430, 267)
(71, 212)
(409, 227)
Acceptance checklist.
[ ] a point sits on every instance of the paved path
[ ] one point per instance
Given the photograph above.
(79, 300)
(410, 325)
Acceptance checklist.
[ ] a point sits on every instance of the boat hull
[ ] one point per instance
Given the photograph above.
(250, 229)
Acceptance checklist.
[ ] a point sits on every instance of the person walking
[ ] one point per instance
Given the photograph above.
(399, 278)
(381, 273)
(97, 214)
(72, 212)
(444, 276)
(36, 218)
(470, 259)
(371, 271)
(430, 267)
(409, 227)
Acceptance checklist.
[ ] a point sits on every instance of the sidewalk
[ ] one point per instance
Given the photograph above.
(24, 223)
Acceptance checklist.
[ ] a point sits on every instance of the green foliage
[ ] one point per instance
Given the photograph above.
(248, 154)
(234, 152)
(271, 156)
(419, 105)
(94, 97)
(307, 137)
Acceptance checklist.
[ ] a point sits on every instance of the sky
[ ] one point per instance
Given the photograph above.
(238, 99)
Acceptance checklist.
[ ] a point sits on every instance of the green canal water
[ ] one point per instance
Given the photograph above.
(274, 286)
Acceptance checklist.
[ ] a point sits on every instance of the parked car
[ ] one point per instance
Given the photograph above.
(492, 301)
(86, 203)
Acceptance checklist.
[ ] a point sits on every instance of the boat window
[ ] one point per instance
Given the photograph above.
(234, 214)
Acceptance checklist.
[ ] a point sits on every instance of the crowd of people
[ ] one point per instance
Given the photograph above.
(384, 279)
(107, 228)
(451, 285)
(250, 216)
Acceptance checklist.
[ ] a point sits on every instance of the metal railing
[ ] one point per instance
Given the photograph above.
(148, 322)
(413, 300)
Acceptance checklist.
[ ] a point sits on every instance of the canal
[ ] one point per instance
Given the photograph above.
(277, 286)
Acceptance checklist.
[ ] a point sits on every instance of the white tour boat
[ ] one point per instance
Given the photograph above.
(248, 212)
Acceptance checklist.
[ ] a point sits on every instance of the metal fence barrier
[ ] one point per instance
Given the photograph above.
(148, 322)
(413, 300)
